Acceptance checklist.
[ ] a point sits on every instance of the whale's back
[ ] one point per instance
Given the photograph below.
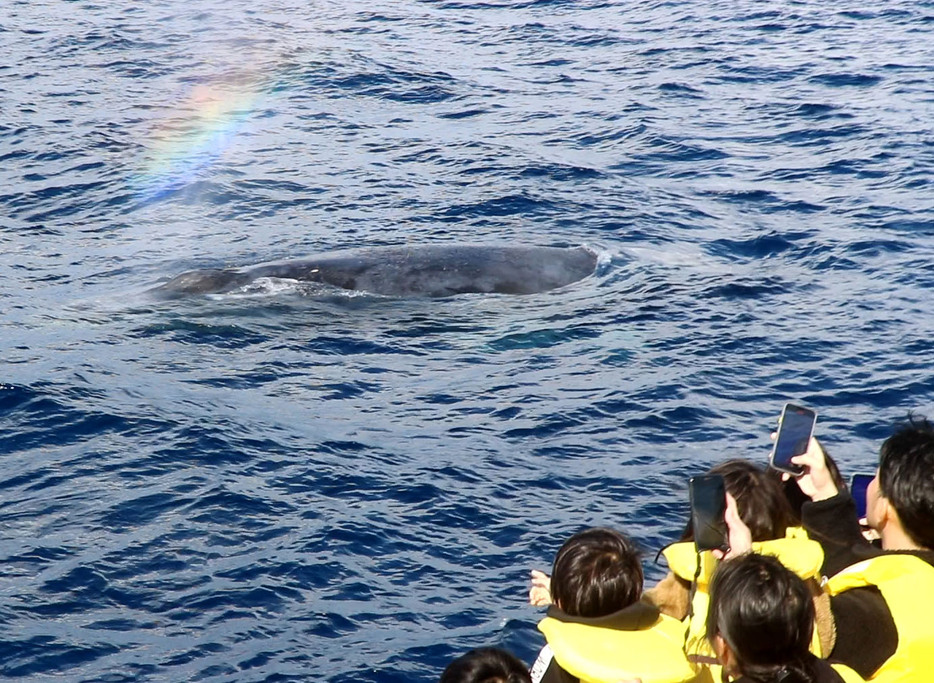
(438, 270)
(416, 271)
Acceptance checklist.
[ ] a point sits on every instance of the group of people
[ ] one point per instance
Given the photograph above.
(806, 591)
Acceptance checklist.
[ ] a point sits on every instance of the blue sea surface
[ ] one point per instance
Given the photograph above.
(270, 485)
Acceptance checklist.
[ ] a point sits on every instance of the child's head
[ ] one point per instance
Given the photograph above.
(596, 572)
(486, 665)
(762, 614)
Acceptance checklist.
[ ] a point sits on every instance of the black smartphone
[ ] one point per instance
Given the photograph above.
(708, 507)
(795, 428)
(858, 485)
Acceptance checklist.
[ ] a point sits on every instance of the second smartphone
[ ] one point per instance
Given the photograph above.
(795, 428)
(858, 485)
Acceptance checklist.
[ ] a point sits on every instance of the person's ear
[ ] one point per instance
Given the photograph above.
(724, 653)
(885, 512)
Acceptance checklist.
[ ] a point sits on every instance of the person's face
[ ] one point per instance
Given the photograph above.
(874, 503)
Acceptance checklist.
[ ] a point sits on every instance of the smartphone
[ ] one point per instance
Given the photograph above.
(708, 506)
(858, 485)
(795, 428)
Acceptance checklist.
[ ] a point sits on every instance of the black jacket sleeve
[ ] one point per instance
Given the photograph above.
(833, 523)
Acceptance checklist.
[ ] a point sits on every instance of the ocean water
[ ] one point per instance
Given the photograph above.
(271, 485)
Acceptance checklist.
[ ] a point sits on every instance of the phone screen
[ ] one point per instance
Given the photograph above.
(708, 506)
(858, 485)
(794, 433)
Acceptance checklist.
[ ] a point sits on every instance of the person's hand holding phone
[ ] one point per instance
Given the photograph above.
(740, 535)
(795, 427)
(816, 482)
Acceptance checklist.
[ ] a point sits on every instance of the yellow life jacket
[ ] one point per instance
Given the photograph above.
(603, 654)
(847, 674)
(907, 585)
(796, 551)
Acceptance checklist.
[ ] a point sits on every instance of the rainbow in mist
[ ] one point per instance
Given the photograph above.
(183, 145)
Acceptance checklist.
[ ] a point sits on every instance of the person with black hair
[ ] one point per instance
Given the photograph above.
(598, 630)
(760, 503)
(762, 506)
(881, 597)
(486, 665)
(760, 622)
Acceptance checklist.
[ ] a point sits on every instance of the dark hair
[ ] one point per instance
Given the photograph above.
(596, 572)
(486, 665)
(764, 613)
(761, 503)
(906, 477)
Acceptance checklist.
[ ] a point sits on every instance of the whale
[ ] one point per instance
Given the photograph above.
(428, 270)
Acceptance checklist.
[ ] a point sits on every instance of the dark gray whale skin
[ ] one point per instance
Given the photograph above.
(413, 271)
